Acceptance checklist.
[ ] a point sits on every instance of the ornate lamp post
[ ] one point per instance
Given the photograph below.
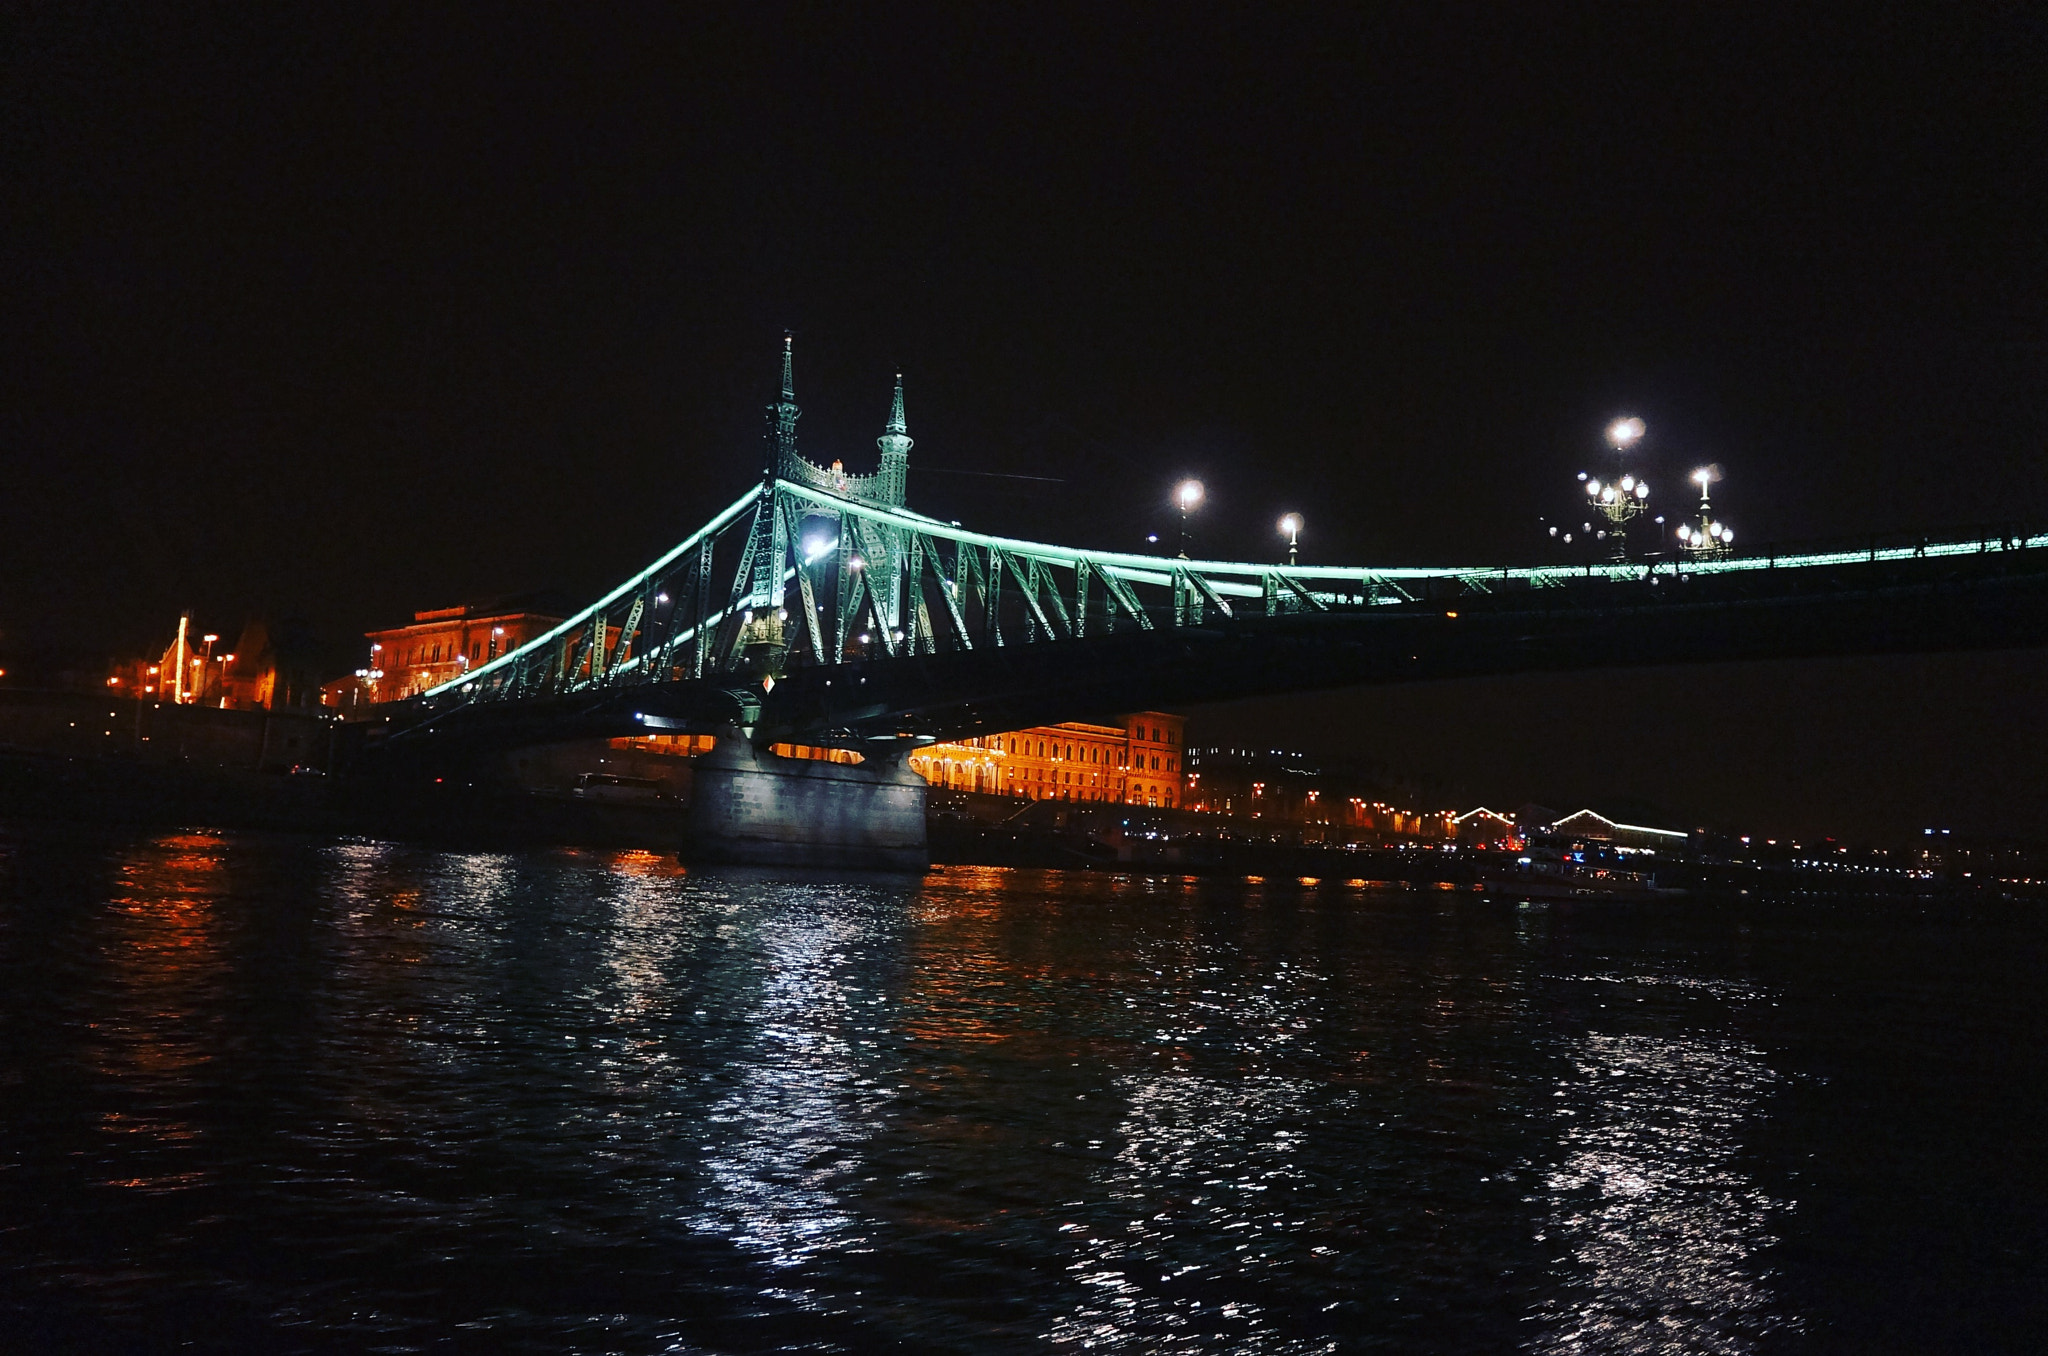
(1705, 537)
(1622, 500)
(1291, 525)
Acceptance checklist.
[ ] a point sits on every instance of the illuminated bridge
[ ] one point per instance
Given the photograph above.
(818, 609)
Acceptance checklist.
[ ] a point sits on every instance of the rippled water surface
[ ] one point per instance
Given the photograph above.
(281, 1094)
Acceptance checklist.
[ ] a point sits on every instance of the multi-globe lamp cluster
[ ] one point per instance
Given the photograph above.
(1619, 501)
(1625, 497)
(1708, 535)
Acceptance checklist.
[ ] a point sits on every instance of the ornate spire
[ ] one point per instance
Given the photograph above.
(895, 443)
(896, 424)
(783, 414)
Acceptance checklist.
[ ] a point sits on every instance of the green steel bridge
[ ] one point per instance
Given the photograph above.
(817, 608)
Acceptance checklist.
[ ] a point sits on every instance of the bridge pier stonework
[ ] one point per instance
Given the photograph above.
(750, 805)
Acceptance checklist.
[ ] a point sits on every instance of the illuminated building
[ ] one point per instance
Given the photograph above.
(1590, 825)
(201, 670)
(1137, 763)
(439, 645)
(1489, 827)
(1285, 791)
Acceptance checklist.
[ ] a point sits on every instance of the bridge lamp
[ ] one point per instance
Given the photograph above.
(1626, 433)
(1706, 536)
(1291, 525)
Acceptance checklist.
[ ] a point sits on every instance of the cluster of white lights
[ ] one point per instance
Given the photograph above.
(1629, 487)
(1714, 534)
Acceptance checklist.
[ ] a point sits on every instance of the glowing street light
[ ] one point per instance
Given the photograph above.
(1622, 499)
(1705, 537)
(1291, 525)
(1626, 433)
(1188, 494)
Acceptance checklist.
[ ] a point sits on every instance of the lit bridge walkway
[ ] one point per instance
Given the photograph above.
(804, 615)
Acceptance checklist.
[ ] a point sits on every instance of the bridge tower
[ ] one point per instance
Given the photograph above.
(763, 641)
(895, 442)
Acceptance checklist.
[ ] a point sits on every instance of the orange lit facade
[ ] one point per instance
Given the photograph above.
(201, 670)
(1284, 789)
(438, 647)
(1140, 762)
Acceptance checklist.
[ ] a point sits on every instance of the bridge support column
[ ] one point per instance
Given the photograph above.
(749, 805)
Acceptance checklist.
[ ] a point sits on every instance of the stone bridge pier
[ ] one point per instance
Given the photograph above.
(754, 806)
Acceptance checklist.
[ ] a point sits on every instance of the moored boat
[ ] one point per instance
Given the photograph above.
(1556, 877)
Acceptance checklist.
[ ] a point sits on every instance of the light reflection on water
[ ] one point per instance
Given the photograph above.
(1661, 1227)
(782, 1143)
(1204, 1196)
(351, 1094)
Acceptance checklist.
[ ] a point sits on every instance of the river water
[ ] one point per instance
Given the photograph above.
(287, 1094)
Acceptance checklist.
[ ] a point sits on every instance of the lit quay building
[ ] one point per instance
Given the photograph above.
(1139, 762)
(440, 645)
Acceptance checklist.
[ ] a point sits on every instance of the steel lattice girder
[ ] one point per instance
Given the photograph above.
(918, 587)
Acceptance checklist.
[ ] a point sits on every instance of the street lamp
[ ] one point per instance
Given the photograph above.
(1621, 500)
(1706, 537)
(1291, 525)
(1626, 433)
(1188, 495)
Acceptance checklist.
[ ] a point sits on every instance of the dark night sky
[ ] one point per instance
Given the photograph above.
(349, 314)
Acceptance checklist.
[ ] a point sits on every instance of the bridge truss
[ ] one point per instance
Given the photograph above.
(790, 584)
